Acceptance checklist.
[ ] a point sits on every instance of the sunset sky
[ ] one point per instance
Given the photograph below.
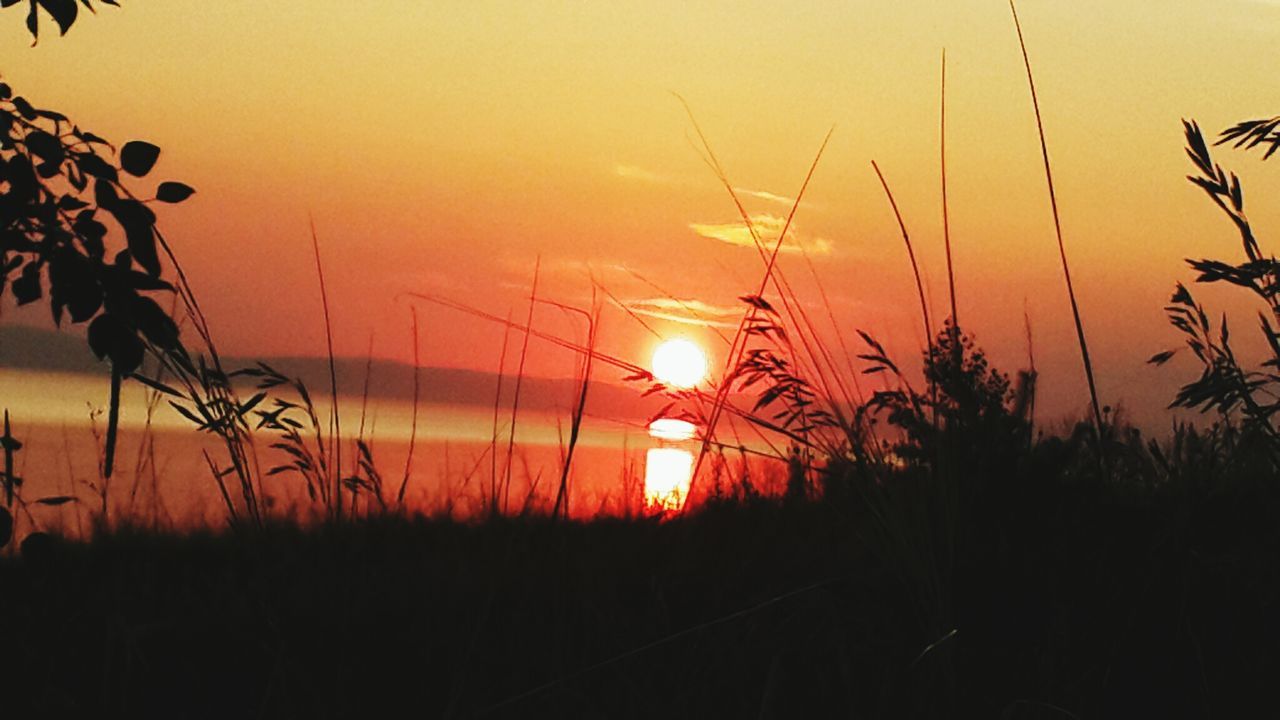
(442, 147)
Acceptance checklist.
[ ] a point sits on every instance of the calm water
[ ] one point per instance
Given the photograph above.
(161, 475)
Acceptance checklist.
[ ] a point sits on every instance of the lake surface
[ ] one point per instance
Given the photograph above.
(162, 477)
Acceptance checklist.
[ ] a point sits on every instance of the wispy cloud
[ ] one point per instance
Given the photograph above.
(768, 227)
(765, 195)
(644, 175)
(689, 312)
(635, 172)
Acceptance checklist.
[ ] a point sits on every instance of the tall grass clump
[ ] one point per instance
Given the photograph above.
(1225, 385)
(1057, 228)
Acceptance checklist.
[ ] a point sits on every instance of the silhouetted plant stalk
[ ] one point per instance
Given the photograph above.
(697, 402)
(561, 505)
(413, 423)
(335, 419)
(1224, 385)
(515, 402)
(1062, 250)
(911, 255)
(634, 371)
(365, 475)
(497, 401)
(10, 445)
(815, 357)
(66, 242)
(946, 219)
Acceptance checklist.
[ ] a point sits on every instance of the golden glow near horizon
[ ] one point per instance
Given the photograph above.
(442, 147)
(679, 363)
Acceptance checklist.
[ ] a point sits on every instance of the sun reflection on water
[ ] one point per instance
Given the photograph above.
(667, 472)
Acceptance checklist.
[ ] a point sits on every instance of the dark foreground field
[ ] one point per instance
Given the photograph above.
(1065, 601)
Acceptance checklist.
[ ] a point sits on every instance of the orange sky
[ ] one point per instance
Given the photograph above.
(441, 147)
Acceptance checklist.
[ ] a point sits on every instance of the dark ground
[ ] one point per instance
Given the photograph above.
(1065, 603)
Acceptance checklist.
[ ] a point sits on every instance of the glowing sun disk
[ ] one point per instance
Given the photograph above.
(679, 363)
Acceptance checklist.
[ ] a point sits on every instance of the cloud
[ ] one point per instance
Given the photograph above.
(763, 195)
(689, 312)
(639, 174)
(634, 172)
(768, 227)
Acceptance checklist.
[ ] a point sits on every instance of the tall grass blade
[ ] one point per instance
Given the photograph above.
(515, 402)
(335, 422)
(946, 218)
(1057, 227)
(911, 255)
(413, 423)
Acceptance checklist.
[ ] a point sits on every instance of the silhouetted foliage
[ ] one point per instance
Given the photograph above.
(1253, 133)
(1224, 385)
(62, 198)
(971, 416)
(63, 12)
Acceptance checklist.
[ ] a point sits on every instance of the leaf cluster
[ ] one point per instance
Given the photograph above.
(968, 405)
(301, 439)
(1225, 386)
(63, 12)
(71, 231)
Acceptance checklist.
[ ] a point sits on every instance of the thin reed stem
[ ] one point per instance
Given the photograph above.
(113, 428)
(413, 423)
(738, 346)
(915, 267)
(579, 409)
(946, 218)
(1057, 227)
(335, 422)
(497, 399)
(628, 367)
(515, 403)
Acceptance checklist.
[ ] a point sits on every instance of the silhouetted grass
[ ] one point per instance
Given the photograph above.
(1116, 602)
(952, 564)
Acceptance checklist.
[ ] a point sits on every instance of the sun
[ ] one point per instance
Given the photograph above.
(679, 363)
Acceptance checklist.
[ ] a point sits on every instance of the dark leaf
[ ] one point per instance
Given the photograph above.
(33, 23)
(139, 227)
(45, 146)
(63, 12)
(91, 234)
(137, 157)
(154, 323)
(71, 203)
(55, 500)
(182, 410)
(156, 385)
(111, 338)
(73, 283)
(24, 108)
(173, 192)
(92, 164)
(26, 289)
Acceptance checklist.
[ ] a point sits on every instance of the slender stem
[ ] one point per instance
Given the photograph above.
(946, 220)
(915, 267)
(1057, 227)
(515, 403)
(335, 422)
(413, 425)
(497, 398)
(738, 346)
(113, 428)
(8, 462)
